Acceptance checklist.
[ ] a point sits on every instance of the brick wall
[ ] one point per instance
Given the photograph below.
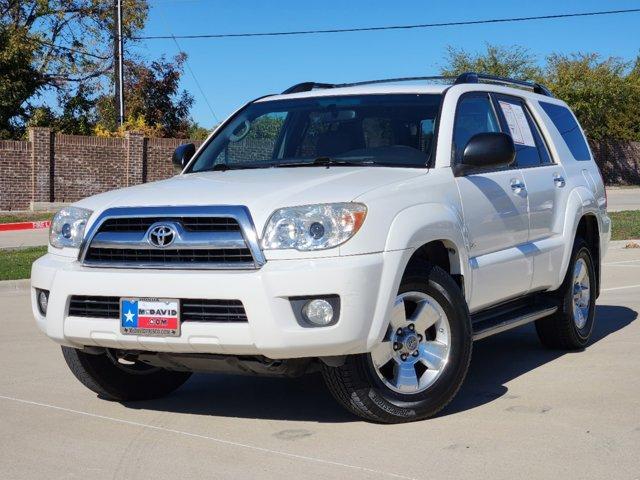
(619, 161)
(15, 175)
(66, 168)
(85, 166)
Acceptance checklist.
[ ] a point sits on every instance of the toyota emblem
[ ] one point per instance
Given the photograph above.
(161, 236)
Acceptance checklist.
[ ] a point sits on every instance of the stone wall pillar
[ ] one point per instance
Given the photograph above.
(135, 145)
(42, 166)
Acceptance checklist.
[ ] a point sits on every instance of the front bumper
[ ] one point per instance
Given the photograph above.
(366, 285)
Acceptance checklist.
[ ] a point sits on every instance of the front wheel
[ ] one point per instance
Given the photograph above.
(116, 379)
(422, 360)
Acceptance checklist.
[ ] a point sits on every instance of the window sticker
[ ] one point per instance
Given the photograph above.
(518, 124)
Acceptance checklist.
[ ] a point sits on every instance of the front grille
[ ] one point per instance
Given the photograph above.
(97, 307)
(191, 310)
(198, 237)
(212, 311)
(191, 224)
(169, 256)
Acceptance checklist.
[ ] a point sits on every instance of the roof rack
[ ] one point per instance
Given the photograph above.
(468, 77)
(308, 86)
(472, 77)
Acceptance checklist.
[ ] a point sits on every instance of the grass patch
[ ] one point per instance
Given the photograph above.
(25, 217)
(16, 264)
(626, 225)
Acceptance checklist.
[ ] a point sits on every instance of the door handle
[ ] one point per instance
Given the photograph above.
(559, 181)
(517, 185)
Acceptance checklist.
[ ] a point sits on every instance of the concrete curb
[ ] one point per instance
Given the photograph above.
(7, 286)
(35, 225)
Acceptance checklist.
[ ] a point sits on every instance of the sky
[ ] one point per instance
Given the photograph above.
(233, 71)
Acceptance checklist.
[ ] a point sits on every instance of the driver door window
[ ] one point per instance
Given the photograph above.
(474, 115)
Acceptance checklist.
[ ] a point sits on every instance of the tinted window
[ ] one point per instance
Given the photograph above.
(474, 115)
(531, 150)
(569, 129)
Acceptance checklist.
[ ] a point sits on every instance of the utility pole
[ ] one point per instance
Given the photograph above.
(120, 76)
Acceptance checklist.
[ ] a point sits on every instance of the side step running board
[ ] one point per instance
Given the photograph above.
(485, 327)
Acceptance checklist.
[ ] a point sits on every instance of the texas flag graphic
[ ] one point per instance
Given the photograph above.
(129, 313)
(149, 314)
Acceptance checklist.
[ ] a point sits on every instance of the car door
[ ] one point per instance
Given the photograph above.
(545, 183)
(494, 205)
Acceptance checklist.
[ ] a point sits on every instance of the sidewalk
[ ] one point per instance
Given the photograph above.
(622, 198)
(24, 238)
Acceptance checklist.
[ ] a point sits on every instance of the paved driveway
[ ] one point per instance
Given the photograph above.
(523, 412)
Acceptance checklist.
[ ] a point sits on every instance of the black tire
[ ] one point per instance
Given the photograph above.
(357, 387)
(112, 381)
(560, 331)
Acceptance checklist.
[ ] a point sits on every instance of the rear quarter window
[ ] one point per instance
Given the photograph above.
(568, 127)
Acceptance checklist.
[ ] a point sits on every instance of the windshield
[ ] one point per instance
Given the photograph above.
(390, 130)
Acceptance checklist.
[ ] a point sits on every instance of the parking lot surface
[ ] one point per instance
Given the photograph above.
(524, 411)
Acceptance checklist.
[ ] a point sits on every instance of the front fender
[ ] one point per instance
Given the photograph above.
(410, 229)
(420, 224)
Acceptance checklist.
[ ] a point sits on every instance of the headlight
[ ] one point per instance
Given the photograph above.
(67, 227)
(313, 227)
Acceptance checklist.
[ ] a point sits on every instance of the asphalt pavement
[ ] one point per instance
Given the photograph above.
(523, 411)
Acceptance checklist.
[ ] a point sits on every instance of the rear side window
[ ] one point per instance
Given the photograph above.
(569, 129)
(531, 151)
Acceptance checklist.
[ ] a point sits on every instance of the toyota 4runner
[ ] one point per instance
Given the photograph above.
(369, 231)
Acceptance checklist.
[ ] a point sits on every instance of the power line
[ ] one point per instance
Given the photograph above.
(195, 79)
(68, 49)
(389, 27)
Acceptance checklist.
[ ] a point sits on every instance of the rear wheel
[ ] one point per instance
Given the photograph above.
(118, 379)
(571, 326)
(422, 360)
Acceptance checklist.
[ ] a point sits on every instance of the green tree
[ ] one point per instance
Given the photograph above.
(153, 95)
(604, 93)
(198, 132)
(512, 61)
(19, 80)
(57, 45)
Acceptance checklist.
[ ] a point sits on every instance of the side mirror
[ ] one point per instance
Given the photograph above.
(183, 154)
(486, 151)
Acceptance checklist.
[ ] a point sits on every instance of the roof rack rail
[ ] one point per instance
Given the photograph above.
(468, 77)
(308, 86)
(473, 77)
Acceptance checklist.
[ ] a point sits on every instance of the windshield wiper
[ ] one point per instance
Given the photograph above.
(223, 167)
(325, 162)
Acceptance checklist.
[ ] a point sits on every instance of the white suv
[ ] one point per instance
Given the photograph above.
(370, 231)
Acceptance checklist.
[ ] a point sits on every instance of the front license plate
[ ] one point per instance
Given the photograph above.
(159, 317)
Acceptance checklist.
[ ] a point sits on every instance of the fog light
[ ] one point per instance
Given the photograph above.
(43, 301)
(318, 311)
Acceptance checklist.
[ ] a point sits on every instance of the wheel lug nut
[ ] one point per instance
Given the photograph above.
(399, 331)
(396, 346)
(403, 356)
(412, 327)
(420, 337)
(415, 353)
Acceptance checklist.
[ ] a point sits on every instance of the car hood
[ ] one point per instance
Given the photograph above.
(261, 190)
